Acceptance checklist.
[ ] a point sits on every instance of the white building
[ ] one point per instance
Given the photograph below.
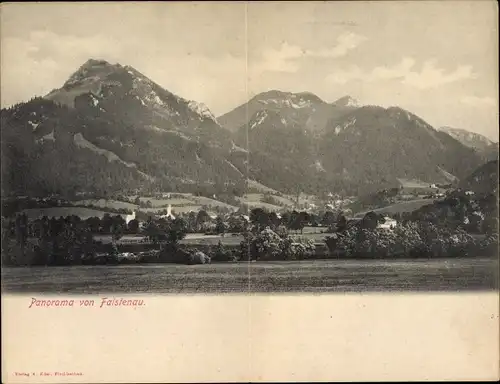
(389, 223)
(169, 214)
(129, 218)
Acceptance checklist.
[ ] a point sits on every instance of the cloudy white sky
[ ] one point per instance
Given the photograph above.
(437, 59)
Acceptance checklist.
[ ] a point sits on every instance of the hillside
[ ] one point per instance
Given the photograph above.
(469, 139)
(111, 128)
(491, 152)
(342, 146)
(280, 150)
(372, 146)
(400, 207)
(363, 150)
(483, 180)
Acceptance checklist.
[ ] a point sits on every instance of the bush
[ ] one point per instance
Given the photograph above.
(409, 240)
(489, 245)
(177, 255)
(221, 253)
(298, 249)
(198, 257)
(268, 245)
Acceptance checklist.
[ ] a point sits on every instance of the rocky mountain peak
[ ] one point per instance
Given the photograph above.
(347, 101)
(106, 86)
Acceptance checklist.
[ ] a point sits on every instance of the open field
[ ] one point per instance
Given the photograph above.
(312, 276)
(286, 201)
(418, 186)
(196, 239)
(201, 200)
(164, 202)
(200, 238)
(406, 183)
(254, 198)
(178, 209)
(83, 213)
(182, 202)
(191, 238)
(104, 203)
(253, 201)
(404, 206)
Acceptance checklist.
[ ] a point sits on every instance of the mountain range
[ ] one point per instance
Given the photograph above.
(484, 146)
(109, 128)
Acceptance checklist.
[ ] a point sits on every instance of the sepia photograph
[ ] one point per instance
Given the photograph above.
(249, 191)
(243, 152)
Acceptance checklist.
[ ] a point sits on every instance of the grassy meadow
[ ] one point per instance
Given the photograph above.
(403, 206)
(311, 276)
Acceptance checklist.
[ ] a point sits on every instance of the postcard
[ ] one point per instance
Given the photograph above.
(249, 191)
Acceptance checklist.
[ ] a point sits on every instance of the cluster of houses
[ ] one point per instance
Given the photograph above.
(388, 223)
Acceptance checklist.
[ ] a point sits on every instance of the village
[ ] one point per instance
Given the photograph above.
(155, 230)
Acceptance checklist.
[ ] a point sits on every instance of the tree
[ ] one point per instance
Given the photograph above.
(274, 220)
(116, 232)
(220, 226)
(331, 242)
(341, 223)
(298, 249)
(220, 253)
(292, 220)
(285, 219)
(259, 218)
(201, 218)
(117, 227)
(298, 220)
(191, 222)
(490, 224)
(106, 223)
(475, 222)
(314, 219)
(93, 224)
(133, 226)
(267, 245)
(304, 219)
(237, 224)
(176, 232)
(152, 230)
(370, 220)
(328, 219)
(21, 229)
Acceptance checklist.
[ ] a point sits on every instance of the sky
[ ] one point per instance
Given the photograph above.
(437, 59)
